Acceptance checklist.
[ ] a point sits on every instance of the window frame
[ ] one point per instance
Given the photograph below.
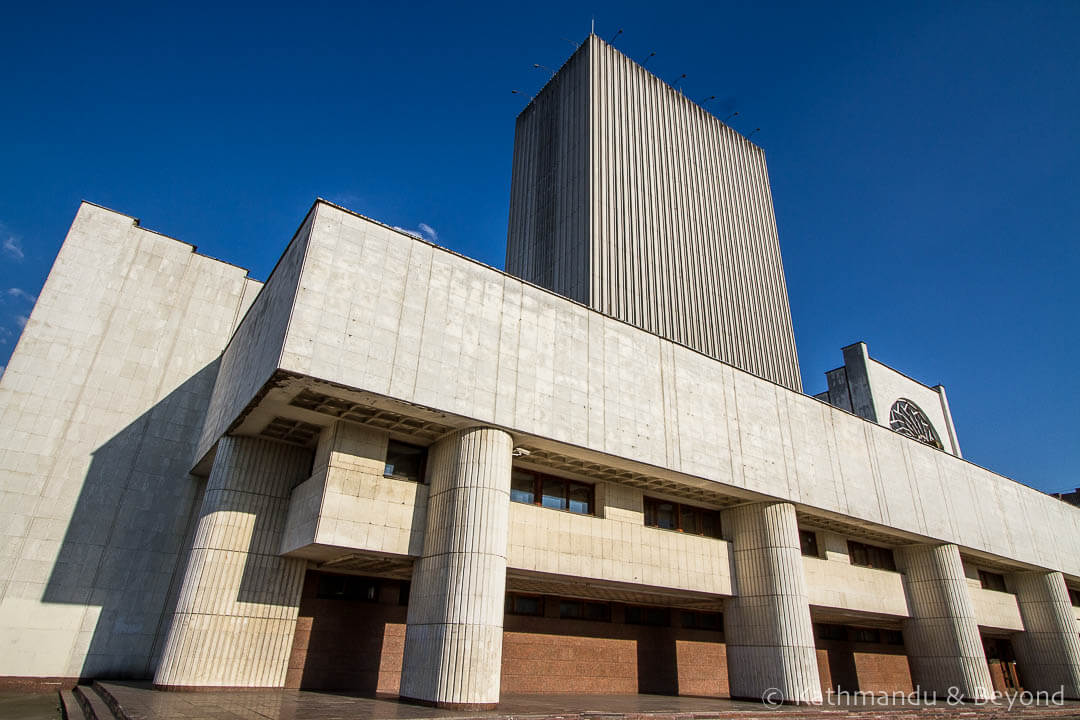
(567, 483)
(509, 608)
(679, 508)
(874, 557)
(802, 543)
(422, 479)
(990, 580)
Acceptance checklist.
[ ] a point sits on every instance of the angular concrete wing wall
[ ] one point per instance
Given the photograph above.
(100, 409)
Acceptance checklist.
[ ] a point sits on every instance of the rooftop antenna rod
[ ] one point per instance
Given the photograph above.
(613, 37)
(752, 133)
(592, 28)
(538, 66)
(651, 56)
(572, 42)
(731, 116)
(676, 83)
(711, 97)
(518, 92)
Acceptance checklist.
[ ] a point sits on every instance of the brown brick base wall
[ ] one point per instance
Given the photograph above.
(356, 645)
(347, 645)
(549, 655)
(863, 666)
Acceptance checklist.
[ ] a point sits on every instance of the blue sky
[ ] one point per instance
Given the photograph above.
(924, 158)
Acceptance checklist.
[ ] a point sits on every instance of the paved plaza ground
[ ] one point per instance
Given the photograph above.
(137, 701)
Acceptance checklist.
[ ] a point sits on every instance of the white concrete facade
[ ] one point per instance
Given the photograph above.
(435, 346)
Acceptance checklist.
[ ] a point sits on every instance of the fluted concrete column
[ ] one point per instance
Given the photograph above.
(770, 640)
(236, 613)
(453, 639)
(941, 637)
(1048, 651)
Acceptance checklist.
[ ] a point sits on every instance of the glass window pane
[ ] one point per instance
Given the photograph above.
(522, 487)
(665, 516)
(554, 493)
(600, 612)
(526, 605)
(710, 524)
(580, 499)
(568, 609)
(691, 520)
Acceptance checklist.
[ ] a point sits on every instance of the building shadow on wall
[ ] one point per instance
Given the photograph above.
(123, 553)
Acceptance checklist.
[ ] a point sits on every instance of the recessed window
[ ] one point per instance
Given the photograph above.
(867, 635)
(653, 616)
(1074, 597)
(347, 587)
(682, 518)
(551, 492)
(405, 462)
(870, 556)
(831, 632)
(695, 620)
(808, 543)
(582, 610)
(992, 580)
(525, 605)
(892, 637)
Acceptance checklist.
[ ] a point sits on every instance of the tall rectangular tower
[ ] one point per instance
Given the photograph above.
(631, 199)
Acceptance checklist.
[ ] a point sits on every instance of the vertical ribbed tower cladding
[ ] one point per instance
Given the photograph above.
(628, 197)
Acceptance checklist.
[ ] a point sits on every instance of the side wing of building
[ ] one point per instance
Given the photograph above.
(100, 409)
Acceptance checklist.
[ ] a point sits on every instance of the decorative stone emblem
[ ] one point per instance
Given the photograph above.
(907, 418)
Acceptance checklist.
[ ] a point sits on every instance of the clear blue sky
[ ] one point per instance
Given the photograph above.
(924, 158)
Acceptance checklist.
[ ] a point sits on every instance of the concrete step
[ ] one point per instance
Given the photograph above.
(69, 706)
(93, 705)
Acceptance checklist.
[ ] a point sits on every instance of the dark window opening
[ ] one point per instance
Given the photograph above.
(992, 580)
(1074, 597)
(832, 632)
(682, 518)
(694, 620)
(871, 556)
(867, 635)
(405, 462)
(808, 543)
(347, 587)
(892, 637)
(581, 610)
(654, 616)
(525, 605)
(551, 492)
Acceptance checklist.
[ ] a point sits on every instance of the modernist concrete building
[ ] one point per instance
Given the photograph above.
(392, 469)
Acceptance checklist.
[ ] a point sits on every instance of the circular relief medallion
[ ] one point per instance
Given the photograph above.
(907, 418)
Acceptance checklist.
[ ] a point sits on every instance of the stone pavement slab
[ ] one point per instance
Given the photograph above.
(139, 702)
